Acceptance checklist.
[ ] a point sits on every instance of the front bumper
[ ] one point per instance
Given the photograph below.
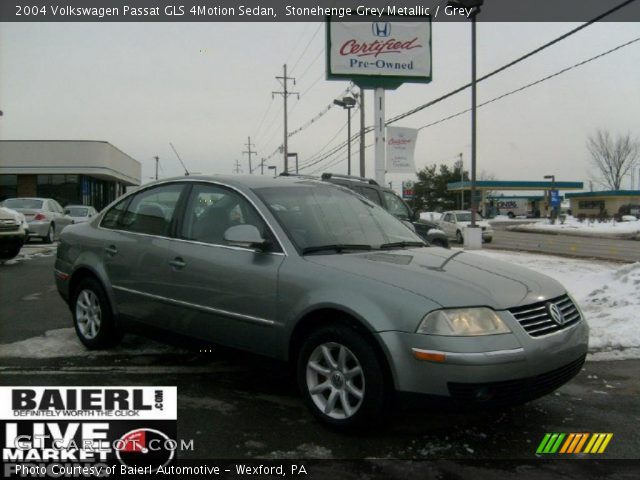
(510, 367)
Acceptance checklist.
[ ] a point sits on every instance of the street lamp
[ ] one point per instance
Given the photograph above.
(347, 103)
(475, 5)
(275, 170)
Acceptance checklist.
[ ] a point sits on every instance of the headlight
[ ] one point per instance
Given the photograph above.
(463, 322)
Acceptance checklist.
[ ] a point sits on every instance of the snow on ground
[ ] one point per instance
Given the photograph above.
(590, 229)
(608, 294)
(64, 342)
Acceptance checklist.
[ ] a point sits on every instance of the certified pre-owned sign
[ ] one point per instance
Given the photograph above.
(397, 50)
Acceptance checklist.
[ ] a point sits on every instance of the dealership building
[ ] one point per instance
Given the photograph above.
(609, 201)
(69, 171)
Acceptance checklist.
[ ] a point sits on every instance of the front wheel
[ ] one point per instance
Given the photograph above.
(341, 378)
(459, 237)
(92, 316)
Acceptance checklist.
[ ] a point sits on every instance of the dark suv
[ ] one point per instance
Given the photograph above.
(392, 203)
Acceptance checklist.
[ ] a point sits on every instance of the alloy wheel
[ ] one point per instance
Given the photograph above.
(88, 314)
(335, 380)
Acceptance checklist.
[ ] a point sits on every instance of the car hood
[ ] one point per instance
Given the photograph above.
(449, 278)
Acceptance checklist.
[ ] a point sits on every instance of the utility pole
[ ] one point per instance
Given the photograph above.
(285, 93)
(237, 169)
(262, 166)
(249, 152)
(461, 182)
(157, 159)
(362, 132)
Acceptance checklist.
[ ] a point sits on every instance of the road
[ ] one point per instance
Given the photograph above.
(602, 248)
(238, 406)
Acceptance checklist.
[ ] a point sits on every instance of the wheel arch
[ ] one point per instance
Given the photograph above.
(323, 316)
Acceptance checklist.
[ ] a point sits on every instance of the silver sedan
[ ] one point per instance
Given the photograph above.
(314, 274)
(45, 216)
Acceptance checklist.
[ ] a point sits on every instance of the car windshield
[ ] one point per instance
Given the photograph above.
(325, 215)
(23, 203)
(77, 211)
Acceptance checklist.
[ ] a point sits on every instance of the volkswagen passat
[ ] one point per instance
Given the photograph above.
(310, 272)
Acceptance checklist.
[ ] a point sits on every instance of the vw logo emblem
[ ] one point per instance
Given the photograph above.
(555, 313)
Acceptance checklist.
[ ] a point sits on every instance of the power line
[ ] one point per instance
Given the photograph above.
(529, 85)
(514, 62)
(306, 47)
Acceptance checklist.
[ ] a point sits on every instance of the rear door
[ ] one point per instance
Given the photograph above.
(135, 241)
(220, 292)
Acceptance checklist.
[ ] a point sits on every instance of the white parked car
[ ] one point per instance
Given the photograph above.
(453, 224)
(80, 213)
(13, 233)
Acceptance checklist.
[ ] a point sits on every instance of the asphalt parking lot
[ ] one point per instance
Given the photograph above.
(235, 405)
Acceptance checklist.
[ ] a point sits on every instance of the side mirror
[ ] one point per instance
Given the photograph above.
(246, 236)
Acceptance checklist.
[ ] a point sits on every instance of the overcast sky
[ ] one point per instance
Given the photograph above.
(207, 86)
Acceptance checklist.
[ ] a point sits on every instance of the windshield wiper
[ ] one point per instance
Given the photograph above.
(339, 248)
(389, 246)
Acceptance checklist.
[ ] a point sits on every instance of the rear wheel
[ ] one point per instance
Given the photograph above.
(48, 238)
(459, 237)
(93, 317)
(341, 377)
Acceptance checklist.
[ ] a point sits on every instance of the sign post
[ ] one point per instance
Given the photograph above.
(380, 54)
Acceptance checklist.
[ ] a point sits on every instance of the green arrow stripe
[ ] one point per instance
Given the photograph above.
(543, 443)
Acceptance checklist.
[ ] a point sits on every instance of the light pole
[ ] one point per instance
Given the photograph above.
(475, 5)
(275, 170)
(461, 164)
(347, 103)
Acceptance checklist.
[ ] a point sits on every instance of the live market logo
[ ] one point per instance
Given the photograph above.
(57, 429)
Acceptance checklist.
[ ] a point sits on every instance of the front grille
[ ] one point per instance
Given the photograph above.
(9, 227)
(537, 321)
(515, 391)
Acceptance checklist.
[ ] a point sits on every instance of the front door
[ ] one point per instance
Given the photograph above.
(223, 293)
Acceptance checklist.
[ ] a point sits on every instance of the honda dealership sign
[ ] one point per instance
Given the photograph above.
(380, 53)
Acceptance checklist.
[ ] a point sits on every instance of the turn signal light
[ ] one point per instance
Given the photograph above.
(429, 356)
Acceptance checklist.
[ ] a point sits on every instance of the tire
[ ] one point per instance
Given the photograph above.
(511, 215)
(459, 237)
(93, 317)
(51, 233)
(437, 242)
(10, 252)
(488, 240)
(344, 362)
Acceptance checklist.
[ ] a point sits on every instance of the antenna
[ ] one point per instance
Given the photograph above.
(186, 172)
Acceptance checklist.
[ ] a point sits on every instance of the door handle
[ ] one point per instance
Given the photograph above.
(178, 263)
(111, 250)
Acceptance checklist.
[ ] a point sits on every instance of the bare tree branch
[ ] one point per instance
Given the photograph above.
(612, 158)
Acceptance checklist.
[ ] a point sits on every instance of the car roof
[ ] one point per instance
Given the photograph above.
(246, 181)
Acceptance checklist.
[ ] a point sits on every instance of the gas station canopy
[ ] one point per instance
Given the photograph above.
(514, 185)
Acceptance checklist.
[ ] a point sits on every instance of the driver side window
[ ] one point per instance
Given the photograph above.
(212, 210)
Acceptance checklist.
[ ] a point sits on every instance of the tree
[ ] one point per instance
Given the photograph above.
(612, 158)
(430, 191)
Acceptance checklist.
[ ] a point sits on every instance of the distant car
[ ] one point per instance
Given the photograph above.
(13, 233)
(453, 224)
(45, 216)
(392, 203)
(311, 273)
(80, 213)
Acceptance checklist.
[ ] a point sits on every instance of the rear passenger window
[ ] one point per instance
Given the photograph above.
(149, 211)
(370, 194)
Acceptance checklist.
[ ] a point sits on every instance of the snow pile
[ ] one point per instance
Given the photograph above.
(572, 226)
(430, 216)
(608, 294)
